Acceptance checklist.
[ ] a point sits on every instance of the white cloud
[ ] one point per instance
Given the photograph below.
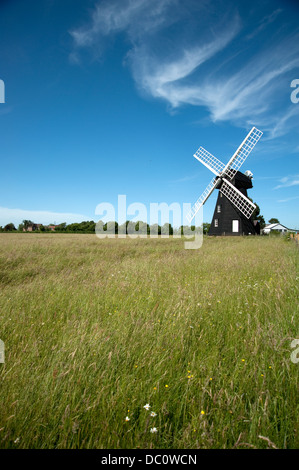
(289, 199)
(185, 179)
(282, 123)
(163, 78)
(199, 68)
(135, 17)
(288, 181)
(268, 19)
(41, 217)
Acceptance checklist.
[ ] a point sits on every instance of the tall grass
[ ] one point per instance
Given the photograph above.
(96, 329)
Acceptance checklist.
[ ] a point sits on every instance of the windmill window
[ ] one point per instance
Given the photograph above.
(216, 223)
(218, 208)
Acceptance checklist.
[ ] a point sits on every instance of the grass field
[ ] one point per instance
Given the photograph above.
(96, 329)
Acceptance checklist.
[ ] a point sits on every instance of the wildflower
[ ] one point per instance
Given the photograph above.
(147, 406)
(202, 412)
(155, 388)
(153, 430)
(153, 414)
(243, 360)
(166, 386)
(127, 418)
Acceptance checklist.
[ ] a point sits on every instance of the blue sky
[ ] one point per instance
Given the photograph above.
(104, 98)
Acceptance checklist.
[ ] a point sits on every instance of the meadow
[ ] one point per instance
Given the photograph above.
(139, 343)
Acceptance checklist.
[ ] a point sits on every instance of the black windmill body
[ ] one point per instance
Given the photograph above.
(233, 211)
(227, 218)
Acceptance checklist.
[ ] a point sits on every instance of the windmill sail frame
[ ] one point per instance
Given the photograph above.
(227, 172)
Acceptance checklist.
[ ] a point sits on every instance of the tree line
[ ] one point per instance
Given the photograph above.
(126, 228)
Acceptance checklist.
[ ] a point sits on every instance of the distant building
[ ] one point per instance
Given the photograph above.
(276, 228)
(32, 227)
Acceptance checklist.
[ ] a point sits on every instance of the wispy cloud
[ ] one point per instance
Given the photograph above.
(137, 18)
(288, 199)
(165, 78)
(16, 216)
(268, 19)
(186, 179)
(281, 122)
(195, 65)
(288, 181)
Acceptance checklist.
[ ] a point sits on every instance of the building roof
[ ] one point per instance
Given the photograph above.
(271, 226)
(276, 227)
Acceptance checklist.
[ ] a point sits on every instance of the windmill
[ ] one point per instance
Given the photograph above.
(232, 215)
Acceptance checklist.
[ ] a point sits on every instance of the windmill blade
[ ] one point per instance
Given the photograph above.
(211, 162)
(202, 199)
(241, 202)
(242, 152)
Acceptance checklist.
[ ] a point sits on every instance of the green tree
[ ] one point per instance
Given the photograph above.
(155, 229)
(27, 223)
(273, 221)
(257, 215)
(141, 227)
(111, 227)
(74, 227)
(206, 227)
(61, 227)
(167, 229)
(122, 229)
(130, 226)
(9, 228)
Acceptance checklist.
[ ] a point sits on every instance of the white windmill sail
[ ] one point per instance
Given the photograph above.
(211, 162)
(202, 199)
(242, 152)
(241, 202)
